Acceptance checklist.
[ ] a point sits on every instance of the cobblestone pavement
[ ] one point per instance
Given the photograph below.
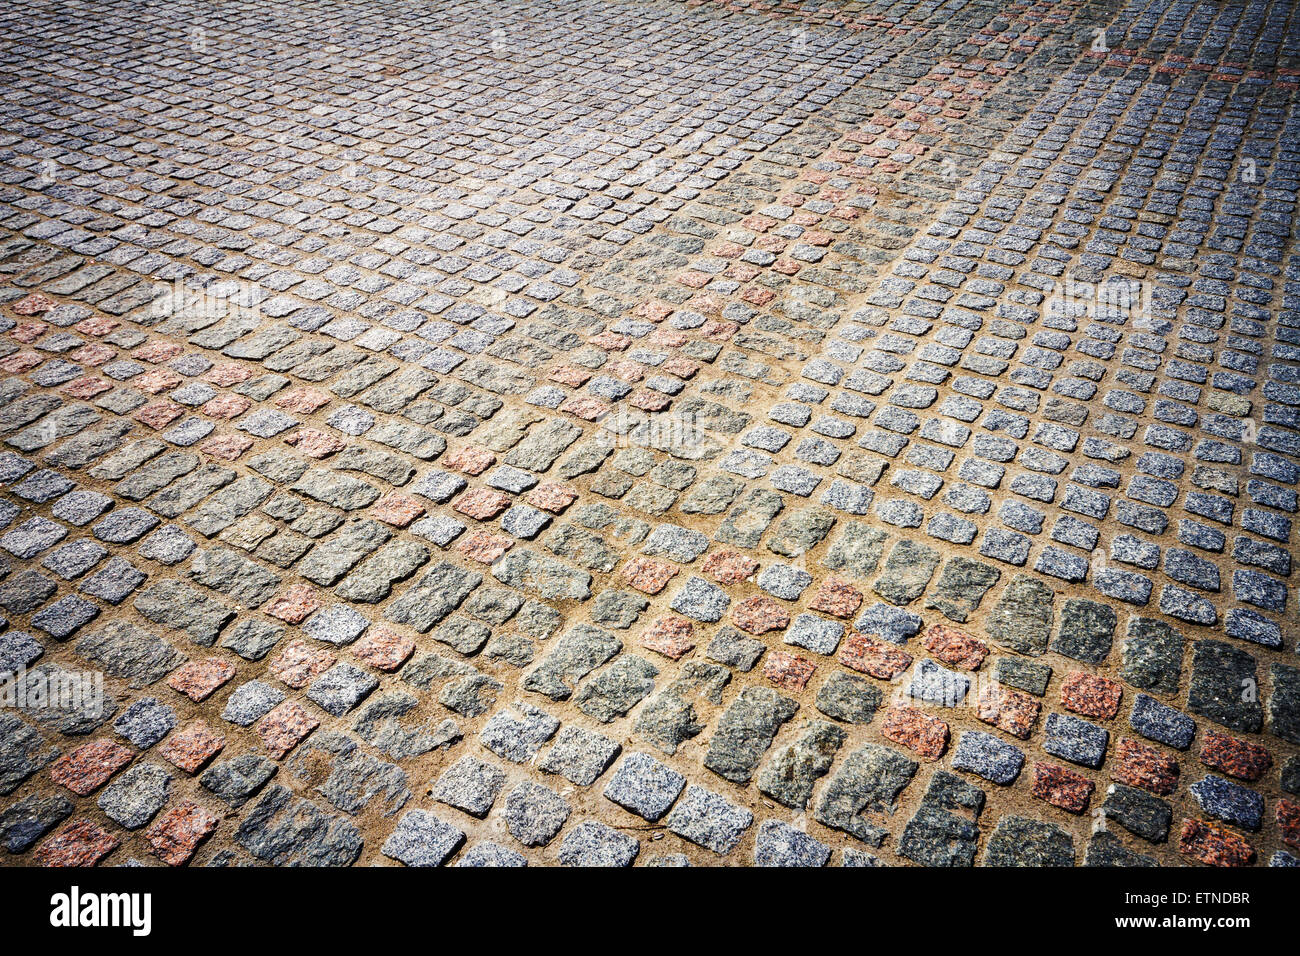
(644, 433)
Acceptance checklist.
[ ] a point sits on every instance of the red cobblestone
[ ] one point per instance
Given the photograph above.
(484, 547)
(81, 843)
(226, 447)
(192, 746)
(1236, 758)
(470, 460)
(1062, 788)
(226, 407)
(760, 614)
(226, 374)
(198, 679)
(837, 598)
(1287, 814)
(383, 648)
(34, 303)
(1007, 709)
(176, 834)
(670, 636)
(315, 443)
(89, 767)
(304, 401)
(730, 567)
(648, 575)
(483, 504)
(293, 605)
(1213, 846)
(955, 648)
(157, 351)
(159, 415)
(158, 380)
(585, 407)
(1091, 695)
(86, 387)
(299, 662)
(788, 671)
(285, 727)
(915, 730)
(870, 655)
(551, 496)
(570, 376)
(1138, 765)
(397, 509)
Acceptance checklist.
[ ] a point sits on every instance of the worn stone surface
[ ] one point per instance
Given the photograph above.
(417, 420)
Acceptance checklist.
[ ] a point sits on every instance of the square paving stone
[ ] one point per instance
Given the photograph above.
(991, 757)
(490, 855)
(421, 839)
(645, 786)
(780, 844)
(471, 785)
(579, 755)
(145, 722)
(594, 844)
(1075, 740)
(534, 814)
(709, 820)
(341, 688)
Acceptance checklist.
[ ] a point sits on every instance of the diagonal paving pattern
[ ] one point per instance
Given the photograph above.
(649, 433)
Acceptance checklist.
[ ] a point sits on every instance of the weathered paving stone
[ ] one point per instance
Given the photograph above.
(745, 731)
(238, 780)
(26, 821)
(145, 722)
(792, 771)
(341, 688)
(575, 654)
(136, 795)
(944, 830)
(617, 689)
(961, 586)
(176, 605)
(1022, 618)
(709, 820)
(579, 756)
(594, 844)
(850, 699)
(1284, 704)
(1085, 631)
(1018, 841)
(644, 786)
(906, 572)
(471, 785)
(518, 732)
(130, 653)
(490, 854)
(780, 844)
(1152, 656)
(1139, 813)
(864, 791)
(284, 829)
(534, 814)
(701, 601)
(990, 757)
(1223, 686)
(856, 550)
(22, 752)
(421, 839)
(1075, 740)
